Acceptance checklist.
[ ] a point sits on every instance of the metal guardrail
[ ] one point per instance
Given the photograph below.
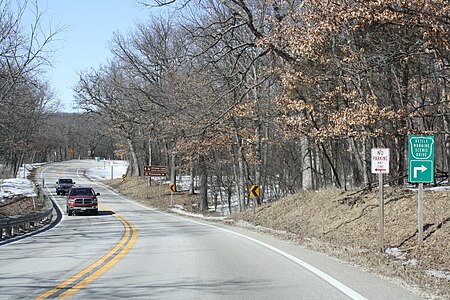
(18, 225)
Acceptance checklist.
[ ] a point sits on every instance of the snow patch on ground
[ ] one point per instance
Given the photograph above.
(19, 186)
(401, 256)
(397, 253)
(14, 187)
(245, 224)
(438, 274)
(356, 249)
(411, 262)
(109, 169)
(181, 211)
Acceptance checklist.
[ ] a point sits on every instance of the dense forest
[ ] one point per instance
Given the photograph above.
(290, 95)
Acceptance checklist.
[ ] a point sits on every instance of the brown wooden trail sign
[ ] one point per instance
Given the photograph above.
(155, 171)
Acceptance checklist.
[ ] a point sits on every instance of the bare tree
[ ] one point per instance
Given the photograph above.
(25, 99)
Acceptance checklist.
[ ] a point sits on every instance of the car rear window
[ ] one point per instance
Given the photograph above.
(79, 192)
(65, 181)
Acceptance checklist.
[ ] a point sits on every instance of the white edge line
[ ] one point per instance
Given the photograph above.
(53, 201)
(334, 282)
(49, 194)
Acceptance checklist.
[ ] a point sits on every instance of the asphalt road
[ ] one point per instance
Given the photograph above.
(130, 251)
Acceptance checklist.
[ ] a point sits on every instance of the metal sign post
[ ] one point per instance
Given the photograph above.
(255, 191)
(173, 189)
(420, 213)
(380, 166)
(421, 169)
(155, 171)
(381, 215)
(160, 188)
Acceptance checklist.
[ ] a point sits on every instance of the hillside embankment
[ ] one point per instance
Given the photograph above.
(344, 224)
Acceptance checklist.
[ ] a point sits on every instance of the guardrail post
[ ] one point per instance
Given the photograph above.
(9, 232)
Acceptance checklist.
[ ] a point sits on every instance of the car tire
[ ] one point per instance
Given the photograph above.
(69, 212)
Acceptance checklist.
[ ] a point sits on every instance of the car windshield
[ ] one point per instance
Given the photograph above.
(84, 192)
(65, 181)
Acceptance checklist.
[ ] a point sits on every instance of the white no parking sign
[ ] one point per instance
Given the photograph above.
(380, 161)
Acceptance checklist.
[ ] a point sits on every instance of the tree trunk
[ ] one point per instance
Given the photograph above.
(242, 180)
(192, 180)
(134, 159)
(229, 191)
(173, 169)
(240, 173)
(446, 129)
(366, 167)
(203, 184)
(258, 200)
(238, 188)
(359, 168)
(265, 158)
(401, 144)
(307, 176)
(149, 151)
(333, 168)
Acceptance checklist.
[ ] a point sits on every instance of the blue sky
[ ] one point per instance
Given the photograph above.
(89, 26)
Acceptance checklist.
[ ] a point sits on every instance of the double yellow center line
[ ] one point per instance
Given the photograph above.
(78, 281)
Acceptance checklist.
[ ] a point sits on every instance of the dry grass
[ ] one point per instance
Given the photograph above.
(156, 196)
(19, 206)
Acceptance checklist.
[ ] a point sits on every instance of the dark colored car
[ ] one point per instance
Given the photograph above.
(63, 185)
(82, 199)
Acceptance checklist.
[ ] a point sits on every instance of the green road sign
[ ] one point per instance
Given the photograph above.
(421, 158)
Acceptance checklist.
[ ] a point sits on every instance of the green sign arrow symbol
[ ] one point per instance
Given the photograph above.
(422, 169)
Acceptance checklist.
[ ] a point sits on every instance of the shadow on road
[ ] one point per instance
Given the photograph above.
(39, 230)
(100, 213)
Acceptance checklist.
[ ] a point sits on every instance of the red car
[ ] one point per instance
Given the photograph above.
(82, 199)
